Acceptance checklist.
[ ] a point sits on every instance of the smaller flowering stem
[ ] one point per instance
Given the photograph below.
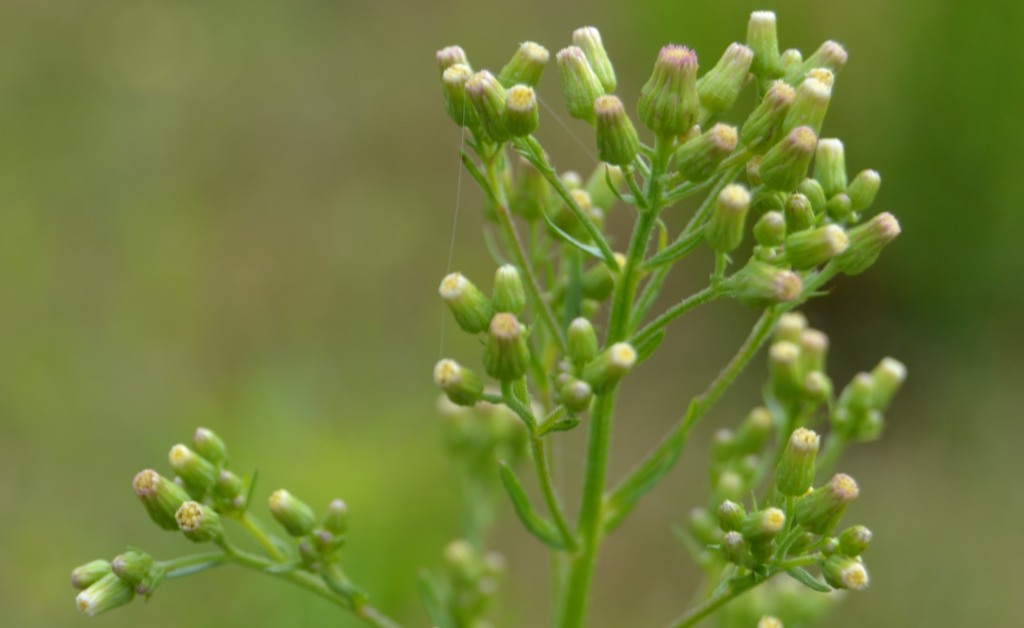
(834, 446)
(733, 589)
(170, 566)
(540, 463)
(256, 530)
(674, 312)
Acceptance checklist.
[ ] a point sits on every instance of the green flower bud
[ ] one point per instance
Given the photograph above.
(195, 471)
(199, 523)
(844, 572)
(335, 519)
(531, 192)
(785, 165)
(452, 55)
(784, 375)
(866, 242)
(730, 485)
(580, 85)
(724, 229)
(752, 432)
(763, 39)
(761, 129)
(888, 377)
(581, 342)
(770, 229)
(817, 386)
(605, 371)
(90, 573)
(463, 560)
(699, 158)
(722, 446)
(753, 171)
(209, 445)
(759, 285)
(830, 167)
(521, 116)
(789, 61)
(526, 66)
(107, 593)
(704, 526)
(132, 567)
(161, 497)
(811, 103)
(795, 472)
(575, 395)
(588, 39)
(488, 98)
(598, 282)
(601, 194)
(734, 549)
(768, 621)
(790, 327)
(669, 102)
(813, 247)
(509, 295)
(799, 213)
(229, 485)
(471, 308)
(462, 386)
(839, 207)
(862, 190)
(763, 526)
(292, 513)
(813, 350)
(731, 516)
(812, 190)
(829, 55)
(719, 88)
(572, 180)
(854, 541)
(506, 356)
(456, 103)
(820, 510)
(617, 141)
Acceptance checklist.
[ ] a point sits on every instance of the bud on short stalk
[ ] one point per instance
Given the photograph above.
(866, 241)
(854, 541)
(785, 165)
(763, 39)
(731, 516)
(576, 395)
(161, 497)
(817, 386)
(770, 229)
(763, 526)
(730, 485)
(829, 55)
(581, 342)
(862, 190)
(197, 472)
(888, 377)
(722, 446)
(790, 327)
(790, 60)
(598, 281)
(588, 39)
(470, 307)
(199, 523)
(292, 513)
(90, 573)
(839, 207)
(488, 98)
(830, 167)
(795, 472)
(506, 356)
(762, 128)
(704, 526)
(699, 158)
(617, 141)
(580, 85)
(813, 247)
(509, 295)
(456, 103)
(668, 101)
(132, 567)
(105, 594)
(752, 432)
(813, 350)
(605, 371)
(452, 55)
(812, 190)
(820, 510)
(526, 66)
(335, 518)
(799, 213)
(724, 229)
(461, 385)
(811, 103)
(845, 572)
(719, 88)
(784, 376)
(522, 115)
(758, 285)
(735, 550)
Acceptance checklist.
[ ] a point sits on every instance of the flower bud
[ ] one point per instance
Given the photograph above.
(763, 39)
(509, 295)
(768, 621)
(753, 171)
(854, 541)
(488, 98)
(770, 229)
(762, 127)
(107, 593)
(197, 472)
(811, 103)
(471, 308)
(866, 241)
(763, 525)
(228, 485)
(506, 356)
(722, 446)
(588, 39)
(704, 526)
(862, 190)
(734, 549)
(785, 165)
(839, 207)
(90, 573)
(812, 190)
(462, 386)
(817, 386)
(199, 523)
(617, 141)
(531, 192)
(759, 285)
(335, 519)
(888, 377)
(730, 485)
(456, 103)
(699, 158)
(752, 432)
(799, 213)
(526, 66)
(605, 371)
(463, 560)
(719, 88)
(790, 60)
(161, 497)
(292, 513)
(669, 102)
(580, 85)
(784, 375)
(829, 55)
(844, 572)
(790, 327)
(601, 193)
(452, 55)
(820, 510)
(521, 116)
(813, 247)
(598, 282)
(830, 167)
(132, 566)
(724, 229)
(813, 350)
(581, 342)
(731, 516)
(830, 546)
(208, 445)
(575, 395)
(795, 472)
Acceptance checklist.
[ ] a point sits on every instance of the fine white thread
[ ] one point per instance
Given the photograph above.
(455, 221)
(567, 129)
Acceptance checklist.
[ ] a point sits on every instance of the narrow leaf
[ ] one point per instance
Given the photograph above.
(481, 180)
(677, 250)
(648, 346)
(800, 575)
(534, 523)
(191, 569)
(625, 198)
(587, 248)
(433, 595)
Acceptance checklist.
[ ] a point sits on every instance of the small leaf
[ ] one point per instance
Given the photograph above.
(625, 198)
(677, 250)
(586, 248)
(649, 345)
(800, 575)
(434, 598)
(251, 485)
(534, 523)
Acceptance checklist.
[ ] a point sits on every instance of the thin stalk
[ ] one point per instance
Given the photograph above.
(256, 530)
(547, 488)
(720, 598)
(674, 312)
(193, 559)
(834, 446)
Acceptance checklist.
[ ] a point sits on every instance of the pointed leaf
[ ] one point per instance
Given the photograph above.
(586, 248)
(648, 346)
(434, 596)
(800, 575)
(534, 523)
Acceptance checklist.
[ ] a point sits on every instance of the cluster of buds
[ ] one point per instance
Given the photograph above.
(468, 584)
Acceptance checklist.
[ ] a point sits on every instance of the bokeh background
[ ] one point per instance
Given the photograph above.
(236, 214)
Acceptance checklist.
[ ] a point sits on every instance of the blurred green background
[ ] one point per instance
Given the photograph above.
(236, 214)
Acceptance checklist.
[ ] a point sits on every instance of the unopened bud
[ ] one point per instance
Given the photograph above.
(784, 375)
(812, 190)
(790, 60)
(132, 566)
(888, 377)
(724, 229)
(759, 285)
(598, 282)
(461, 385)
(456, 103)
(795, 472)
(668, 101)
(488, 99)
(817, 386)
(854, 541)
(790, 327)
(452, 55)
(730, 485)
(866, 241)
(471, 308)
(722, 446)
(90, 573)
(862, 190)
(753, 171)
(509, 295)
(770, 229)
(762, 128)
(292, 513)
(588, 39)
(763, 39)
(769, 622)
(208, 445)
(785, 165)
(161, 497)
(335, 519)
(734, 549)
(810, 105)
(229, 485)
(526, 66)
(605, 371)
(839, 207)
(752, 432)
(813, 350)
(580, 85)
(197, 472)
(813, 247)
(763, 525)
(463, 560)
(829, 55)
(704, 526)
(699, 158)
(522, 115)
(602, 193)
(199, 523)
(617, 141)
(506, 356)
(105, 594)
(830, 167)
(731, 516)
(581, 342)
(719, 88)
(575, 395)
(845, 572)
(820, 510)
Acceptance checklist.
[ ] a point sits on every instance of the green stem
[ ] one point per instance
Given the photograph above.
(834, 446)
(547, 488)
(256, 530)
(733, 589)
(674, 312)
(193, 559)
(799, 561)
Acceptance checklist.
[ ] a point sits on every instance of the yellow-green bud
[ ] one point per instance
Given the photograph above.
(522, 116)
(581, 342)
(820, 510)
(506, 356)
(770, 229)
(195, 471)
(335, 519)
(605, 371)
(839, 207)
(790, 327)
(452, 55)
(830, 167)
(90, 573)
(471, 308)
(817, 386)
(799, 213)
(813, 247)
(813, 350)
(734, 549)
(724, 229)
(462, 386)
(845, 572)
(704, 526)
(161, 497)
(575, 395)
(769, 622)
(132, 567)
(229, 485)
(795, 472)
(753, 171)
(588, 39)
(762, 127)
(488, 98)
(209, 445)
(617, 141)
(463, 560)
(812, 190)
(731, 516)
(752, 432)
(785, 165)
(888, 377)
(598, 282)
(829, 55)
(722, 445)
(811, 103)
(580, 85)
(571, 180)
(866, 241)
(719, 88)
(106, 593)
(526, 66)
(789, 60)
(601, 194)
(509, 295)
(763, 526)
(854, 541)
(456, 103)
(763, 39)
(759, 285)
(669, 103)
(784, 375)
(730, 485)
(699, 158)
(862, 190)
(199, 523)
(292, 513)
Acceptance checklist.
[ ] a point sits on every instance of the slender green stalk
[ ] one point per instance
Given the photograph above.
(256, 530)
(834, 446)
(547, 488)
(724, 595)
(674, 312)
(192, 560)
